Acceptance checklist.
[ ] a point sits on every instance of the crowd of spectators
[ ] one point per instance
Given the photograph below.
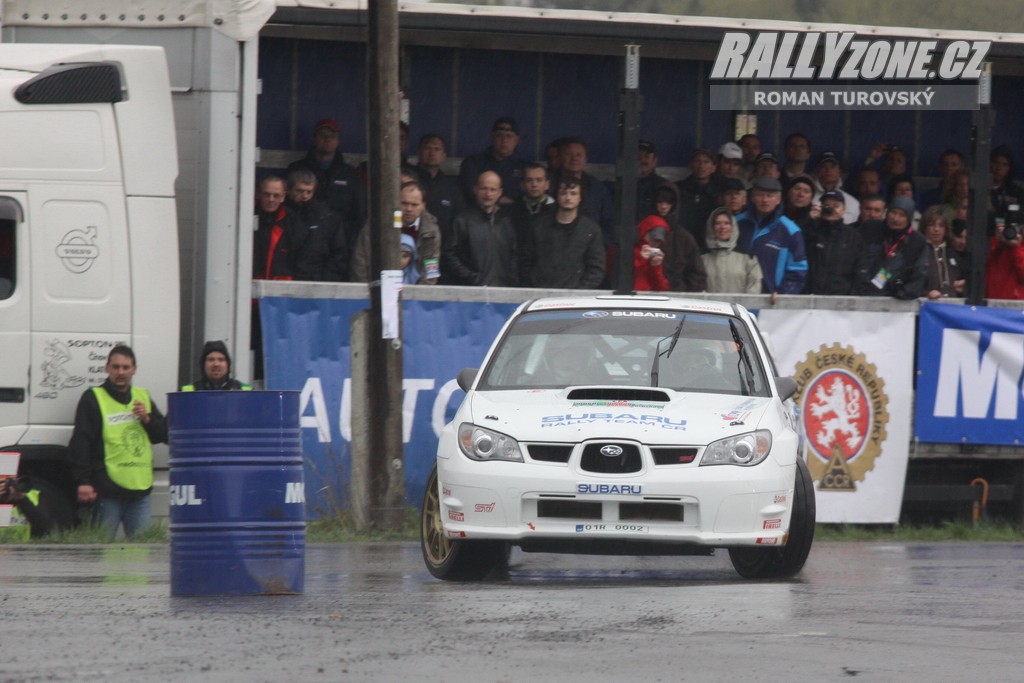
(741, 220)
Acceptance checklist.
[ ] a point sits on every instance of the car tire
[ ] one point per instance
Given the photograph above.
(787, 561)
(452, 559)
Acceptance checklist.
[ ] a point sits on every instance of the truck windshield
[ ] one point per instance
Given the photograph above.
(554, 349)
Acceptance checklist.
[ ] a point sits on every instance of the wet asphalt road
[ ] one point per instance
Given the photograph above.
(371, 612)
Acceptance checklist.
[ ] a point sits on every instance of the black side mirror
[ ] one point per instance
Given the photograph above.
(466, 377)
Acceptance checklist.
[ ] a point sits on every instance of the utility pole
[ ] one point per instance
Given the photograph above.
(631, 104)
(384, 356)
(982, 121)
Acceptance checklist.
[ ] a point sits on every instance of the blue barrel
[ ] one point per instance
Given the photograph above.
(238, 513)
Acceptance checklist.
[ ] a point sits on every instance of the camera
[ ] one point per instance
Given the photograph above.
(1012, 228)
(827, 210)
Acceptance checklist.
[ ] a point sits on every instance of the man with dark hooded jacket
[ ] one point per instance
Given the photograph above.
(215, 370)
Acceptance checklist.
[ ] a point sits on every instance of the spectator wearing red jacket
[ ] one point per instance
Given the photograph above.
(649, 255)
(1004, 265)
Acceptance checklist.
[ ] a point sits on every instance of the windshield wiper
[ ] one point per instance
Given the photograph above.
(744, 361)
(658, 353)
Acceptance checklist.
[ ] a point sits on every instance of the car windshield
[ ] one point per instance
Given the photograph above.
(694, 351)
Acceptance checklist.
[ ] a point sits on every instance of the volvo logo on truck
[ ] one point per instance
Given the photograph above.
(78, 249)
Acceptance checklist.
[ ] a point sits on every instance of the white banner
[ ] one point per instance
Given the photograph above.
(854, 371)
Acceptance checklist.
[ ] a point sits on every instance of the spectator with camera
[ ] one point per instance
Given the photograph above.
(895, 256)
(649, 255)
(945, 269)
(834, 250)
(1004, 264)
(829, 176)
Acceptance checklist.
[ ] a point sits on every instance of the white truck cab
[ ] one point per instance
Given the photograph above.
(88, 235)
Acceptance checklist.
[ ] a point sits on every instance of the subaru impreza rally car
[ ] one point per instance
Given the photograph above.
(626, 425)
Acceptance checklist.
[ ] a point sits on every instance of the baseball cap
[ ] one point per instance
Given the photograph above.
(327, 123)
(505, 123)
(730, 150)
(834, 194)
(647, 146)
(828, 157)
(766, 156)
(767, 184)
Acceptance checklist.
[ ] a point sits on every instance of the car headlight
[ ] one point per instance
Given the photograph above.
(483, 444)
(744, 450)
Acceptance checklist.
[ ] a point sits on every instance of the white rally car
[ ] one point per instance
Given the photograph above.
(626, 425)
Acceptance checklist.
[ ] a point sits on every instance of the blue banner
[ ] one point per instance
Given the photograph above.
(306, 347)
(969, 366)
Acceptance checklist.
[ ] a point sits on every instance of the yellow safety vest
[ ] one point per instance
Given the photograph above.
(192, 387)
(127, 453)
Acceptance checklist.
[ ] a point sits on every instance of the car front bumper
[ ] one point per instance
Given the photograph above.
(717, 506)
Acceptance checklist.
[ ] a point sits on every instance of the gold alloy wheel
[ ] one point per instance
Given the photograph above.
(436, 546)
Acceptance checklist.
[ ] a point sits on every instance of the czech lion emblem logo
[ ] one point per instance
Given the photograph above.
(845, 413)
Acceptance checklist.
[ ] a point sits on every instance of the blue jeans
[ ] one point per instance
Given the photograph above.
(134, 513)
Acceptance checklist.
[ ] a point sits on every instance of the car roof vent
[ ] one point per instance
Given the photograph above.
(617, 394)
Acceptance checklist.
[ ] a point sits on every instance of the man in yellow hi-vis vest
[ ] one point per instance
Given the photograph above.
(111, 452)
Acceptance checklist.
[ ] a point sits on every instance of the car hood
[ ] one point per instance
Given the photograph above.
(550, 415)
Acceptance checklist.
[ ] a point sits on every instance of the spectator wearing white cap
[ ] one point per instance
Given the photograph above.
(729, 164)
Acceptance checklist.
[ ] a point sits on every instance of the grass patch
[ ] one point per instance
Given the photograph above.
(88, 534)
(341, 529)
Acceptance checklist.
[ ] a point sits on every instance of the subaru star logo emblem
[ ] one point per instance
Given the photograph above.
(595, 314)
(611, 451)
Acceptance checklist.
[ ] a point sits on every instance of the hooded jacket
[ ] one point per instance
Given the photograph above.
(1004, 270)
(204, 383)
(728, 270)
(646, 277)
(683, 265)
